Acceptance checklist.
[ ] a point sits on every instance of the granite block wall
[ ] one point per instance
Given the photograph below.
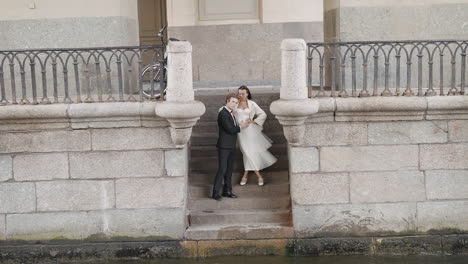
(118, 175)
(381, 173)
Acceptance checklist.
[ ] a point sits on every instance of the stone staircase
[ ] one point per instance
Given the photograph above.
(259, 212)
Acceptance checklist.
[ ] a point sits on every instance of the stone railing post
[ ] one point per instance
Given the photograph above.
(294, 106)
(180, 108)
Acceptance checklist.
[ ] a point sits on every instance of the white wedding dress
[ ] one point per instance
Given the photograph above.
(253, 144)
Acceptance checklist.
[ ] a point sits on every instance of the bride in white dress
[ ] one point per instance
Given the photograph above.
(253, 143)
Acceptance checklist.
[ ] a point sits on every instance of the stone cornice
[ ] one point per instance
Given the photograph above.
(393, 108)
(96, 115)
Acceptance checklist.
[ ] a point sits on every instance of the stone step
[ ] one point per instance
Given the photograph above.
(251, 189)
(238, 231)
(269, 127)
(269, 176)
(241, 203)
(224, 217)
(211, 114)
(210, 139)
(210, 164)
(212, 151)
(262, 99)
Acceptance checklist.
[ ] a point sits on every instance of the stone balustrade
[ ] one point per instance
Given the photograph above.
(99, 170)
(378, 165)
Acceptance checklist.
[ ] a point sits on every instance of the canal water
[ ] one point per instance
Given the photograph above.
(305, 260)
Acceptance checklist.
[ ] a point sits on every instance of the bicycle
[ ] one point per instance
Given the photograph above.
(157, 72)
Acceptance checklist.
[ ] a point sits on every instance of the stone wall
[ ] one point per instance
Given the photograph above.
(382, 166)
(372, 166)
(64, 24)
(367, 20)
(90, 171)
(244, 52)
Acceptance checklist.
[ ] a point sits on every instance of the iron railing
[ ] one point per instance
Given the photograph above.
(347, 68)
(46, 76)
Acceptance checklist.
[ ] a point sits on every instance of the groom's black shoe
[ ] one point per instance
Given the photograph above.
(217, 197)
(230, 195)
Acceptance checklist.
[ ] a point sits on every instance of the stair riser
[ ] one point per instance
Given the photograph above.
(285, 232)
(218, 99)
(212, 115)
(210, 166)
(198, 140)
(238, 204)
(212, 127)
(278, 218)
(269, 177)
(250, 190)
(212, 152)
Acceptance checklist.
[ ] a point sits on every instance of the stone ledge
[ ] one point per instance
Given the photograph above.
(118, 114)
(394, 108)
(151, 248)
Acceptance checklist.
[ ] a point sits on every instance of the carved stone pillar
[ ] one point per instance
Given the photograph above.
(294, 106)
(180, 109)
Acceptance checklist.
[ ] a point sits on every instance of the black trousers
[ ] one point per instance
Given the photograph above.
(225, 160)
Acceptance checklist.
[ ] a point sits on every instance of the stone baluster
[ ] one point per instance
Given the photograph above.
(180, 109)
(294, 106)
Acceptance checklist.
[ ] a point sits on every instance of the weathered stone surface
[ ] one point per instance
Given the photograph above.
(369, 158)
(6, 170)
(180, 83)
(91, 252)
(331, 188)
(151, 193)
(33, 124)
(380, 187)
(458, 130)
(117, 29)
(378, 115)
(355, 219)
(332, 246)
(116, 164)
(161, 223)
(293, 69)
(407, 132)
(383, 104)
(75, 195)
(38, 167)
(45, 141)
(455, 244)
(176, 162)
(17, 197)
(440, 216)
(131, 139)
(215, 248)
(335, 134)
(416, 245)
(43, 226)
(447, 184)
(105, 122)
(303, 159)
(444, 156)
(2, 226)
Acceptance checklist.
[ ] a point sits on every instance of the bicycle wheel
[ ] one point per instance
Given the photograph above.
(151, 76)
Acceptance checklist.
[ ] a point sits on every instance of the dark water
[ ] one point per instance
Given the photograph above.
(305, 260)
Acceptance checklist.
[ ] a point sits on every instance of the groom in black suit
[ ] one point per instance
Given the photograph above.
(228, 129)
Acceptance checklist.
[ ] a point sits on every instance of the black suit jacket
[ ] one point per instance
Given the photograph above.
(227, 130)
